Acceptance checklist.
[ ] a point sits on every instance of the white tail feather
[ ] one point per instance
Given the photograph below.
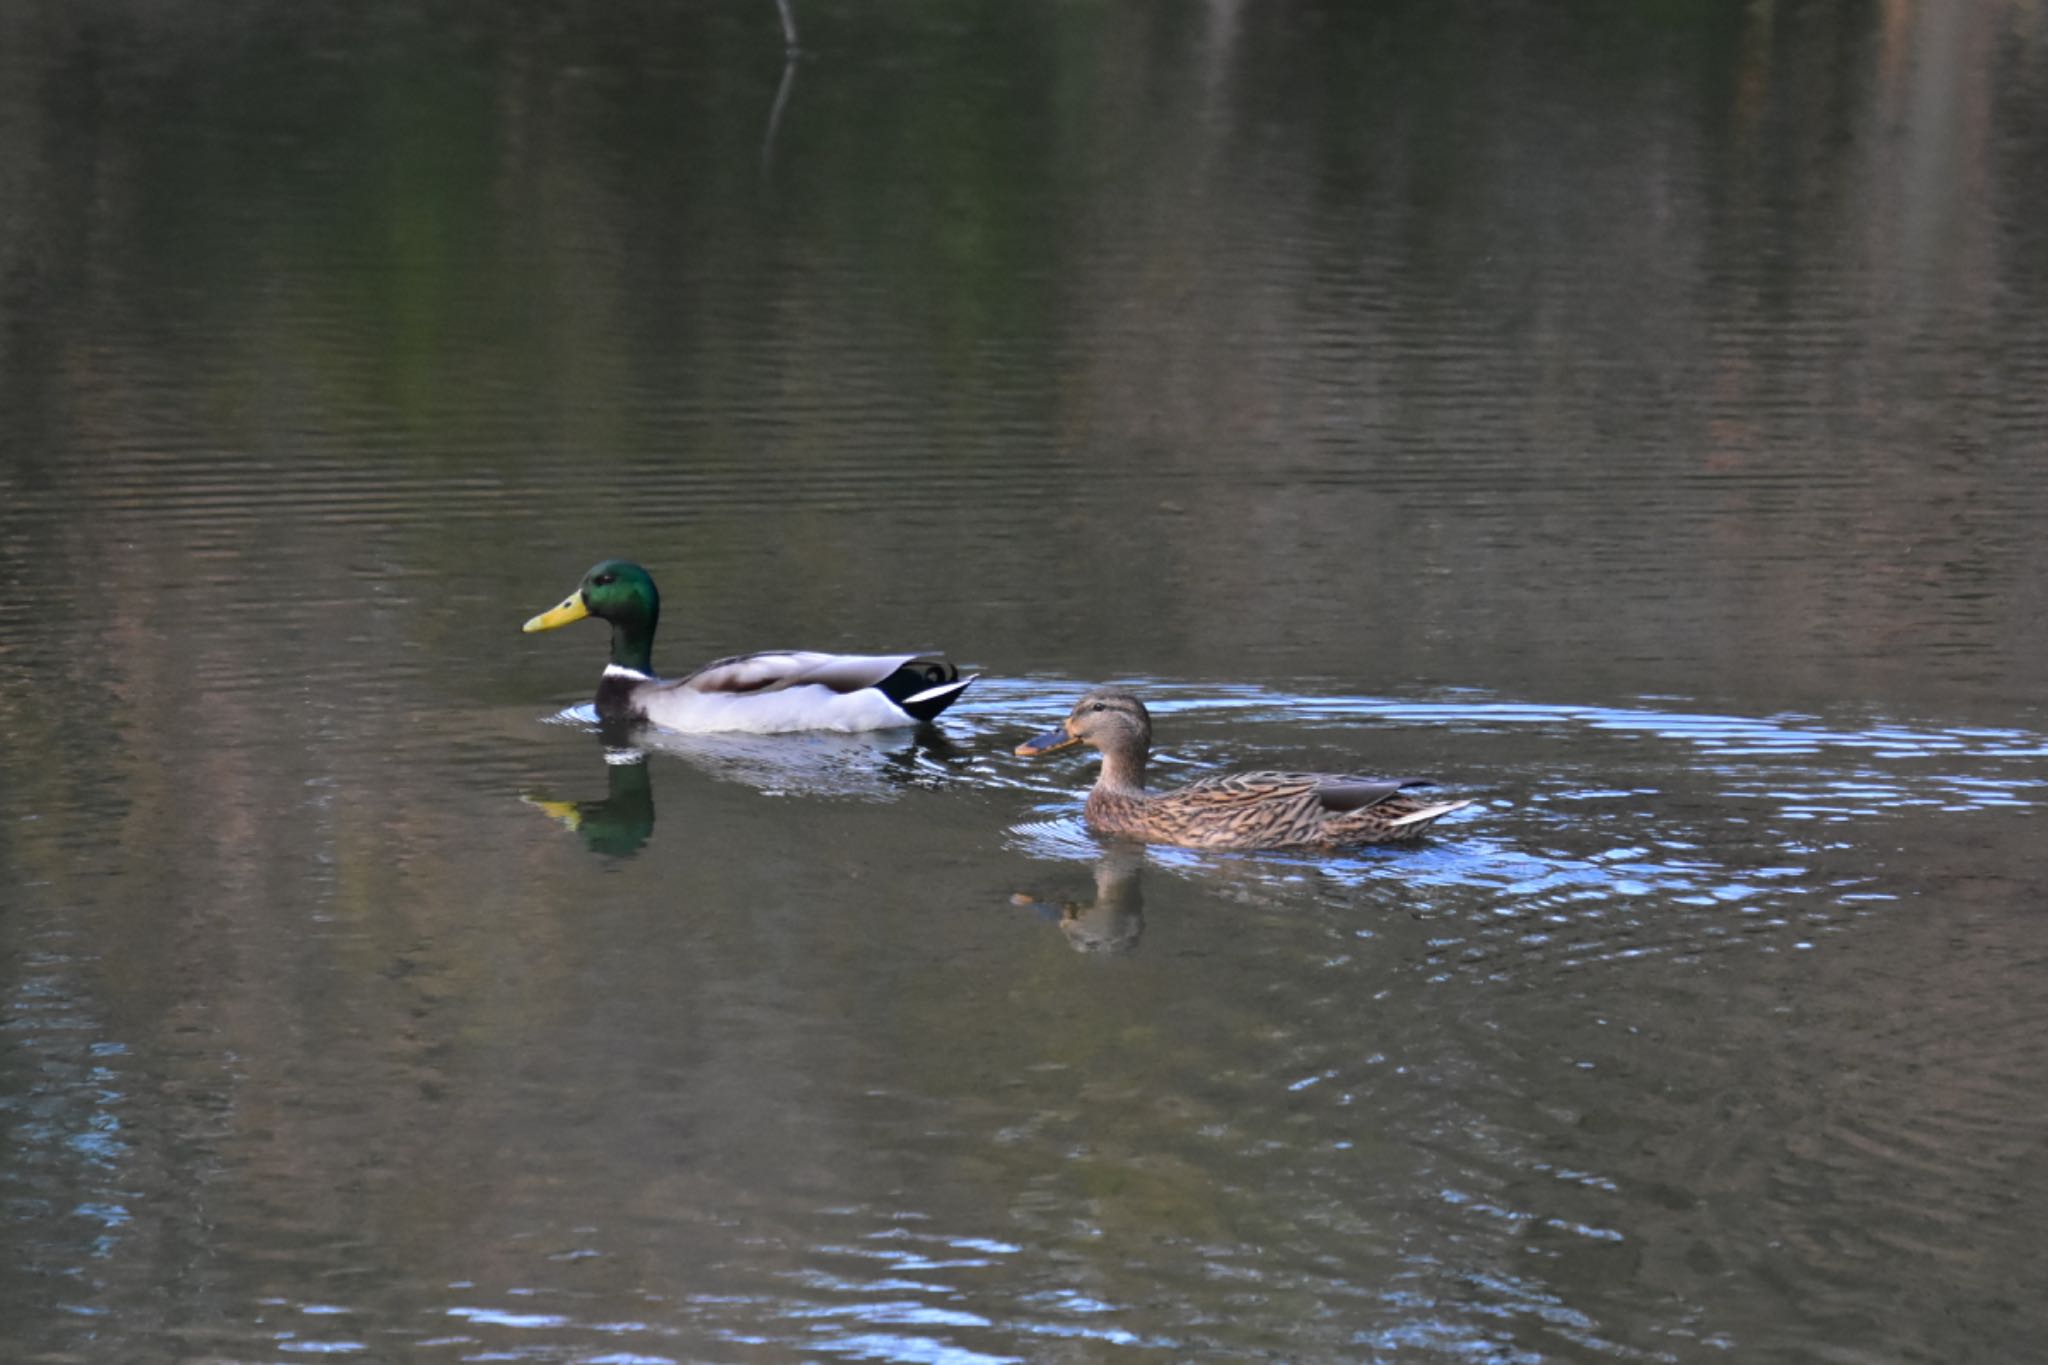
(942, 690)
(1428, 813)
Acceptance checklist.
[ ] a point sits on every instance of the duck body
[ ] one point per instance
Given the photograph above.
(1238, 811)
(782, 690)
(769, 692)
(1270, 811)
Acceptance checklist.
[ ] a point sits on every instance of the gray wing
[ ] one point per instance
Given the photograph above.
(773, 670)
(1356, 793)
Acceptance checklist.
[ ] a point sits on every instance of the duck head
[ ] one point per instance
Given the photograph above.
(622, 593)
(1109, 719)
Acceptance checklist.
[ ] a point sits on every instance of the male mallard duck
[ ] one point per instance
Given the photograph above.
(762, 693)
(1239, 811)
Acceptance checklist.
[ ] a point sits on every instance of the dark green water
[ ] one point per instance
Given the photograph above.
(1635, 416)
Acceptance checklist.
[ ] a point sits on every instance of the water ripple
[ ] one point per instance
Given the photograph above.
(1562, 860)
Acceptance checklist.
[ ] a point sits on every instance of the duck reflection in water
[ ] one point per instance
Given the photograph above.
(1115, 920)
(780, 765)
(619, 824)
(875, 764)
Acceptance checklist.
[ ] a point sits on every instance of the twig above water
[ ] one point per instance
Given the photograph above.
(775, 113)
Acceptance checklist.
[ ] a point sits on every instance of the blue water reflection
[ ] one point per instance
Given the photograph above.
(62, 1113)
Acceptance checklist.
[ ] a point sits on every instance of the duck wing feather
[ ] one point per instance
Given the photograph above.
(774, 670)
(1356, 793)
(1333, 792)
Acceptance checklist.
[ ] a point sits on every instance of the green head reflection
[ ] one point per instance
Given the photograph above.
(619, 824)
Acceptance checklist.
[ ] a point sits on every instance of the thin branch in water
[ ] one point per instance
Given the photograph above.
(788, 12)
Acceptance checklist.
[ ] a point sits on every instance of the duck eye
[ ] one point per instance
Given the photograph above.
(605, 580)
(1098, 706)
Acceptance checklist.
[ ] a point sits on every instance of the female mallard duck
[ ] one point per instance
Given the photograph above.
(760, 693)
(1239, 811)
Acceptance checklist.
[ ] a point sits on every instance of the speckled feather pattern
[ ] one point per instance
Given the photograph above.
(1240, 811)
(1261, 810)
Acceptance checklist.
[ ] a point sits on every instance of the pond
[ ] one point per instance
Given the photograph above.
(1634, 419)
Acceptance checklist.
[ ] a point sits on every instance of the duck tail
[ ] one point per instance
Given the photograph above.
(923, 688)
(1427, 815)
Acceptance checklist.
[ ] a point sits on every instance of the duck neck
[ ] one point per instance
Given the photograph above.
(1123, 771)
(633, 644)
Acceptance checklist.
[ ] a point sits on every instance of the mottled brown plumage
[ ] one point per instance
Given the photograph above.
(1238, 811)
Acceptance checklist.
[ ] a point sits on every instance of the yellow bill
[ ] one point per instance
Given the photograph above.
(569, 813)
(572, 609)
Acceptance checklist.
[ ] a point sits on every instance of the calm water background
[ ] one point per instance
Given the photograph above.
(1635, 416)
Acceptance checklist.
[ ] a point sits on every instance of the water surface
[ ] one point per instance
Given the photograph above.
(1632, 418)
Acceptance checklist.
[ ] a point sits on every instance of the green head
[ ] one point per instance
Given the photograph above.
(622, 593)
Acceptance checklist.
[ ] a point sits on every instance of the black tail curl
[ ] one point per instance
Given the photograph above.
(921, 676)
